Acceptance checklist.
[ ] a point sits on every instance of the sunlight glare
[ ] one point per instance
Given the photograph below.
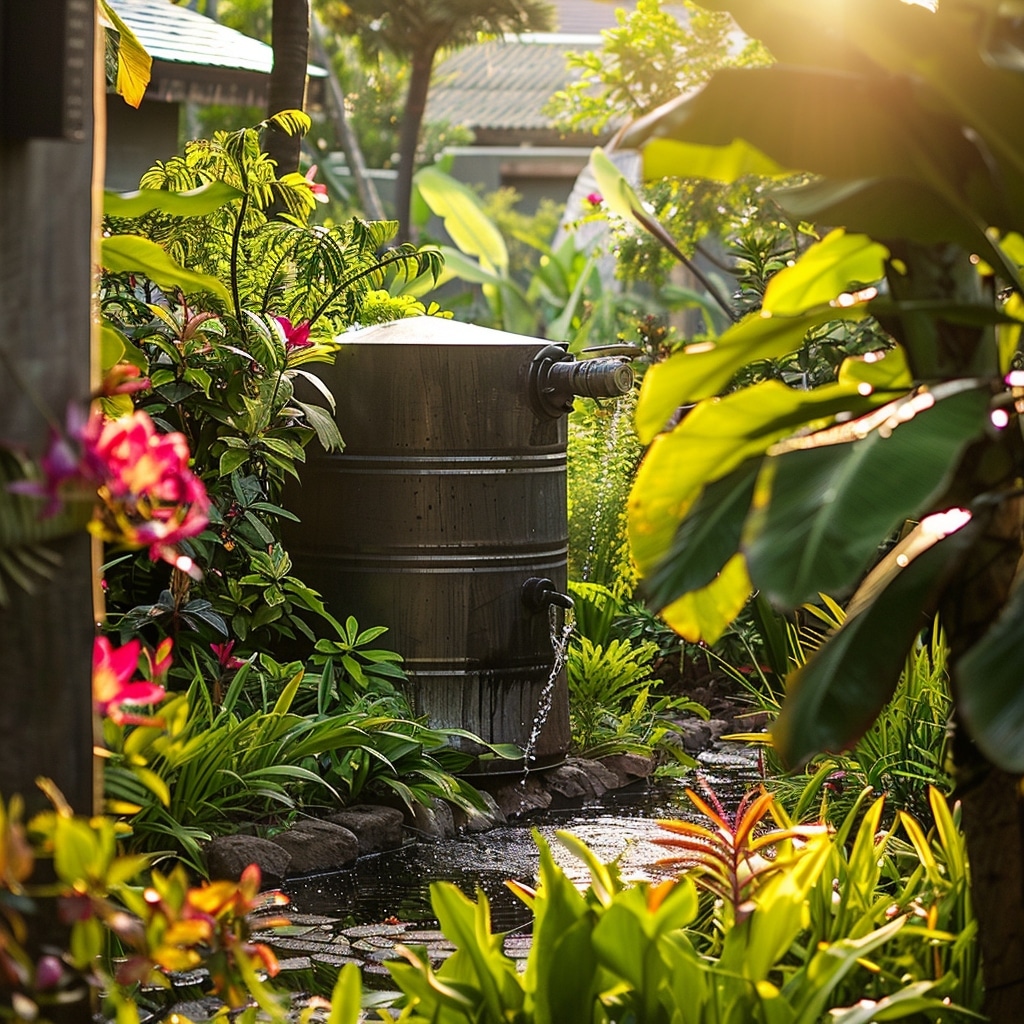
(942, 524)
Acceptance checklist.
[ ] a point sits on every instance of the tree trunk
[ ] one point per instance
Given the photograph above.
(993, 811)
(409, 137)
(993, 814)
(365, 188)
(290, 36)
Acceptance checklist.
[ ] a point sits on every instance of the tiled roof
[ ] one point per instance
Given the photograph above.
(178, 35)
(503, 86)
(587, 16)
(500, 84)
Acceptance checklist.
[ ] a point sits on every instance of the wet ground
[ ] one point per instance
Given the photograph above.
(360, 915)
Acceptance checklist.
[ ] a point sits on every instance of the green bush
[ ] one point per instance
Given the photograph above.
(614, 706)
(852, 927)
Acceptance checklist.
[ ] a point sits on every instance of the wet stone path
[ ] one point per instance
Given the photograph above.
(359, 916)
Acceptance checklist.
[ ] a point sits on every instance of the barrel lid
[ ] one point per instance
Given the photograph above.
(434, 330)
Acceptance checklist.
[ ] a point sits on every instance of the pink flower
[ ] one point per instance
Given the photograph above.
(595, 199)
(112, 671)
(159, 662)
(222, 652)
(319, 191)
(150, 497)
(65, 468)
(294, 337)
(123, 379)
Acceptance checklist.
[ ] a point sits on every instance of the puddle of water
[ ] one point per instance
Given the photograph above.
(397, 884)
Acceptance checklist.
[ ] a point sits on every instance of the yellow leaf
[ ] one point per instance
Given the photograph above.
(704, 614)
(665, 158)
(134, 64)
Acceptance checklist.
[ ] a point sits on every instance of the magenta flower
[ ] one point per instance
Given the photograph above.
(226, 660)
(595, 199)
(295, 337)
(124, 379)
(112, 686)
(66, 470)
(159, 661)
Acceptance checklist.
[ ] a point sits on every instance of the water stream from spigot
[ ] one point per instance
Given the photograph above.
(539, 593)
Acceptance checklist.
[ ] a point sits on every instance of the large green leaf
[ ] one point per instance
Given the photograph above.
(703, 370)
(990, 697)
(706, 539)
(703, 615)
(825, 271)
(464, 218)
(134, 255)
(833, 698)
(664, 157)
(711, 441)
(194, 203)
(803, 118)
(829, 507)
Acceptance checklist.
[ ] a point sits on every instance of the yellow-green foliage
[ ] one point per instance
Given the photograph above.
(603, 455)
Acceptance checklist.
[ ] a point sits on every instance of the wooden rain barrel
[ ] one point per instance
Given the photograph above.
(450, 495)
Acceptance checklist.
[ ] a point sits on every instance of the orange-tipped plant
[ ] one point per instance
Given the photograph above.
(728, 860)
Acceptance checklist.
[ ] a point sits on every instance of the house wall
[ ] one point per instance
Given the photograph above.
(535, 172)
(137, 138)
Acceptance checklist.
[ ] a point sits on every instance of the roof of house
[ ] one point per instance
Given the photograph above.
(196, 58)
(499, 88)
(501, 85)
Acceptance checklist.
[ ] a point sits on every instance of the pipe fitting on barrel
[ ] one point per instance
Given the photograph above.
(556, 378)
(538, 593)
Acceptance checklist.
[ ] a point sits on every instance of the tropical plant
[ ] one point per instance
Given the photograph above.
(614, 706)
(199, 769)
(157, 924)
(649, 58)
(224, 347)
(624, 953)
(903, 754)
(726, 859)
(417, 30)
(603, 453)
(928, 433)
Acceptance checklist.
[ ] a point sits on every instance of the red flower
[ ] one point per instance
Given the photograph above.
(112, 670)
(294, 337)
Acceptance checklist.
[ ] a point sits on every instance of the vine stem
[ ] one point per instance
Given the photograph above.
(236, 244)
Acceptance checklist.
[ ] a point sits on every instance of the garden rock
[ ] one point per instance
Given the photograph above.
(473, 820)
(629, 767)
(376, 828)
(718, 727)
(571, 782)
(602, 778)
(228, 856)
(694, 735)
(317, 847)
(522, 796)
(435, 821)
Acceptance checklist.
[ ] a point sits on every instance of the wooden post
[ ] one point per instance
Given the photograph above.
(46, 282)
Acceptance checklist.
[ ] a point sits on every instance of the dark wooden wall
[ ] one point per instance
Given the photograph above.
(45, 313)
